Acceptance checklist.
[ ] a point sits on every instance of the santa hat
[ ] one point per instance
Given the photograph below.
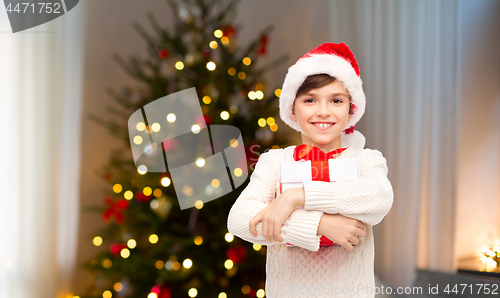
(336, 60)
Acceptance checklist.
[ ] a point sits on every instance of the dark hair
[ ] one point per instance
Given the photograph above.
(317, 81)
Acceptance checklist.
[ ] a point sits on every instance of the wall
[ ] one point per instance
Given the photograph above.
(478, 165)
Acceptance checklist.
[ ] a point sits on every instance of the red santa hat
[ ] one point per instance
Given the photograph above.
(336, 60)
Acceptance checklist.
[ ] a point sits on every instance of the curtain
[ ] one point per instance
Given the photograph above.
(409, 62)
(40, 95)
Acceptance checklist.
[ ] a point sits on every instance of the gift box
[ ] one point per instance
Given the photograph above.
(294, 173)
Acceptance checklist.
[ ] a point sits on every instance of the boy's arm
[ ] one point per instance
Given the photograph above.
(301, 226)
(368, 198)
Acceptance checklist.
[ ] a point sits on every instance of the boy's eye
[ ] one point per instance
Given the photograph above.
(336, 100)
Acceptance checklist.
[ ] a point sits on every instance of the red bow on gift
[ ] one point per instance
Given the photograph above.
(319, 169)
(310, 152)
(318, 158)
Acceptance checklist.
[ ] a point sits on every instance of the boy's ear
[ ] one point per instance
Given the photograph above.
(293, 116)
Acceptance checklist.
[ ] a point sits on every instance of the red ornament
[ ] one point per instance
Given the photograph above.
(205, 119)
(166, 144)
(116, 248)
(205, 53)
(170, 144)
(264, 39)
(162, 291)
(163, 54)
(108, 176)
(208, 119)
(237, 254)
(228, 31)
(115, 210)
(141, 197)
(252, 293)
(242, 162)
(252, 156)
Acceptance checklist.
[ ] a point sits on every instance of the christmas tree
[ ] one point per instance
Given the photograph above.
(152, 248)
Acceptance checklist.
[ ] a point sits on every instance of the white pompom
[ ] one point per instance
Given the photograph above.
(354, 140)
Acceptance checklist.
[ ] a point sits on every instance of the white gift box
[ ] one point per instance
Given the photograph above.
(294, 173)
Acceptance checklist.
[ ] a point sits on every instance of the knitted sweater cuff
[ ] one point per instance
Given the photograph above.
(303, 227)
(319, 195)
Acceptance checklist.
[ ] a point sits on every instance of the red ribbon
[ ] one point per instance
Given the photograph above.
(313, 153)
(318, 158)
(319, 169)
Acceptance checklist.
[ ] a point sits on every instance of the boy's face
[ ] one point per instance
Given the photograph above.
(328, 105)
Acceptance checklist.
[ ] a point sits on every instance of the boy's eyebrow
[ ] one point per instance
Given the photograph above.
(334, 94)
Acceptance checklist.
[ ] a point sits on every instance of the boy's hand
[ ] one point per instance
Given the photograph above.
(296, 195)
(341, 229)
(275, 214)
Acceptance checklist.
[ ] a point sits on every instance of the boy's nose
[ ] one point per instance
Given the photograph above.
(323, 111)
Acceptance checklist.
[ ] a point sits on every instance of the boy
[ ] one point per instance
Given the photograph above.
(322, 97)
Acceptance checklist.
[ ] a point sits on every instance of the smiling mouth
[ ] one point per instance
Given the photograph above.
(323, 125)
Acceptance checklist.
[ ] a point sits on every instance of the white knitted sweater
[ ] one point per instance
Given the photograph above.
(308, 270)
